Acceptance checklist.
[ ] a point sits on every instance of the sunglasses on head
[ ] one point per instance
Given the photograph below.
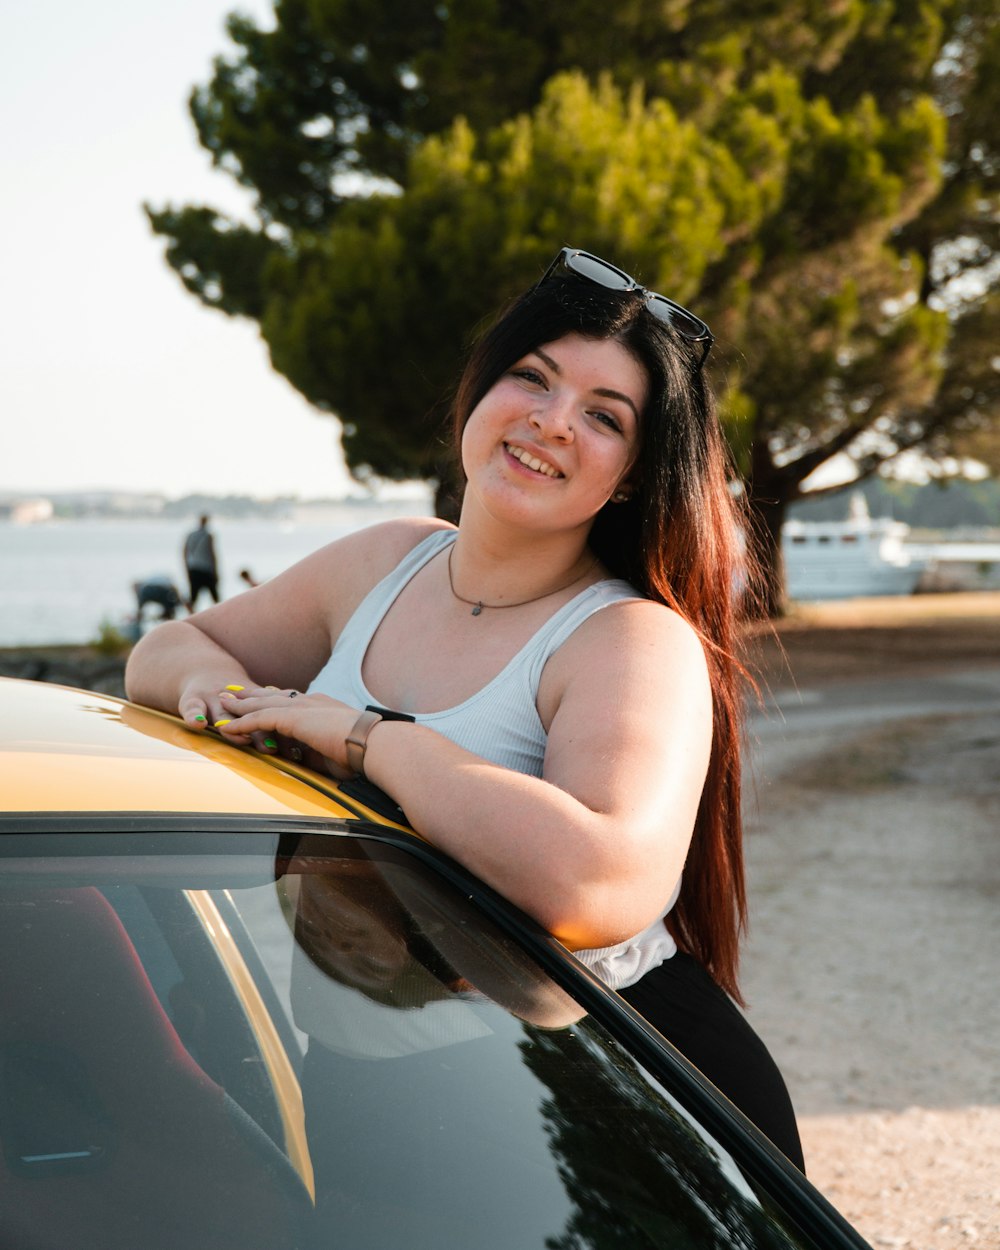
(593, 269)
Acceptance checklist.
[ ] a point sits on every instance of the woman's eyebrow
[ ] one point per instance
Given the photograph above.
(548, 360)
(609, 394)
(603, 391)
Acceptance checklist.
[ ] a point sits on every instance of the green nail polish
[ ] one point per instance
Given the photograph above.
(270, 742)
(199, 718)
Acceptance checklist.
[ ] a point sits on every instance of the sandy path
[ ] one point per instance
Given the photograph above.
(873, 967)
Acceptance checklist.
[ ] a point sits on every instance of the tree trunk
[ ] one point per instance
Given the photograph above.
(448, 490)
(447, 502)
(767, 516)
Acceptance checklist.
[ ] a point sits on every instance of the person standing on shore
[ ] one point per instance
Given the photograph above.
(200, 563)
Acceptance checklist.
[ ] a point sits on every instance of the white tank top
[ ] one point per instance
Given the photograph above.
(500, 722)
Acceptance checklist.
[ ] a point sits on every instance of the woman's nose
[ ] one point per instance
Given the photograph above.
(554, 419)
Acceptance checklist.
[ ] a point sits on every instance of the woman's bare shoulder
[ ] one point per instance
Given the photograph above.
(627, 647)
(334, 578)
(639, 623)
(360, 560)
(404, 533)
(383, 545)
(343, 572)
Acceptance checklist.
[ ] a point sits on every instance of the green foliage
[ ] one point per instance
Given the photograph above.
(221, 262)
(110, 640)
(819, 178)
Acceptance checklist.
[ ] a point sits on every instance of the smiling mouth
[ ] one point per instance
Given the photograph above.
(531, 462)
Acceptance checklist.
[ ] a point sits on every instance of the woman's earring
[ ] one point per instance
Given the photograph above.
(620, 496)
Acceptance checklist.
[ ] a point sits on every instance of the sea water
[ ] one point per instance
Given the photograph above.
(62, 580)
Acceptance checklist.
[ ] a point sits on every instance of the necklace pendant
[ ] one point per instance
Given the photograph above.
(477, 609)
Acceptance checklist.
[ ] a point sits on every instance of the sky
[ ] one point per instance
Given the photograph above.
(111, 375)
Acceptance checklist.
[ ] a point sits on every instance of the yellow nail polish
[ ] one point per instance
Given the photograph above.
(220, 723)
(235, 687)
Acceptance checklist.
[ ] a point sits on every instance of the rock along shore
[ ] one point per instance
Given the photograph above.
(80, 666)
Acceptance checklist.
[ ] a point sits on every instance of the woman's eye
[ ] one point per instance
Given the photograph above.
(608, 419)
(529, 375)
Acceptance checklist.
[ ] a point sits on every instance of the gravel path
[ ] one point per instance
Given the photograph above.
(873, 961)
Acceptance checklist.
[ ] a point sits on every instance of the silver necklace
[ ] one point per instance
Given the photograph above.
(477, 605)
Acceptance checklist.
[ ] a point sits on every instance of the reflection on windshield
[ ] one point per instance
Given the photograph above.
(630, 1160)
(454, 1098)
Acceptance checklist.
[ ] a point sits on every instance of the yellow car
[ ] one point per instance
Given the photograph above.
(244, 1007)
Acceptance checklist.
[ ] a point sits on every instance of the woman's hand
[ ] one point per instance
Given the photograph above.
(200, 703)
(283, 722)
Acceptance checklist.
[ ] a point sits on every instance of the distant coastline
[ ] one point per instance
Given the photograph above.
(960, 507)
(36, 507)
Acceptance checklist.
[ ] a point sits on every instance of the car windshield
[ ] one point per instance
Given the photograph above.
(318, 1040)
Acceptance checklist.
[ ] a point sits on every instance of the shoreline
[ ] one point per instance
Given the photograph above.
(80, 665)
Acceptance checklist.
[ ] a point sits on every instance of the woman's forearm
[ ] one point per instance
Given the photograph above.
(590, 877)
(175, 658)
(593, 851)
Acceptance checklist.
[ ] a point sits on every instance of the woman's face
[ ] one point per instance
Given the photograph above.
(557, 434)
(352, 941)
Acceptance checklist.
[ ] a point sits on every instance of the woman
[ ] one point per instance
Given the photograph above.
(566, 654)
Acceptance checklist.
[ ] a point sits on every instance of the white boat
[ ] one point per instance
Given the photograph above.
(26, 511)
(856, 557)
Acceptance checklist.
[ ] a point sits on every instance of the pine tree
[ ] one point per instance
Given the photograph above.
(819, 180)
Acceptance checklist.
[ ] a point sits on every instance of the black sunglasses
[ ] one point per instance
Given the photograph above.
(593, 269)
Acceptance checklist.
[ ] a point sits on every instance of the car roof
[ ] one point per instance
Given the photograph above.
(67, 750)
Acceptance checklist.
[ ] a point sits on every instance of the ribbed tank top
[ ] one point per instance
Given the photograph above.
(500, 722)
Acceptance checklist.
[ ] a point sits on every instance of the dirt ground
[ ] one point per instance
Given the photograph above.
(872, 967)
(861, 638)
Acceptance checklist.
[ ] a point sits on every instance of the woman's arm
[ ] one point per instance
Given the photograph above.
(592, 849)
(278, 634)
(178, 668)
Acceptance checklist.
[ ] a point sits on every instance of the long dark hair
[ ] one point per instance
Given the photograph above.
(677, 540)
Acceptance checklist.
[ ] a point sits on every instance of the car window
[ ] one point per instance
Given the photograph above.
(386, 1067)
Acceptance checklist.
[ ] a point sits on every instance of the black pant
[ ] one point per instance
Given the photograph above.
(202, 579)
(682, 1001)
